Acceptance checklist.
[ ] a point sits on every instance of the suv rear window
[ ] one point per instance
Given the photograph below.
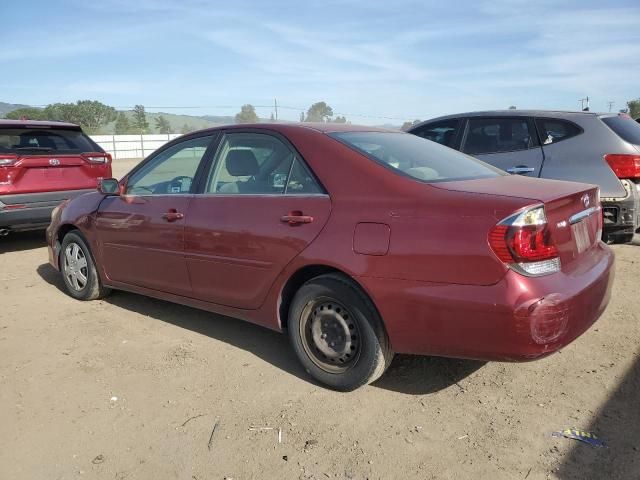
(40, 140)
(417, 157)
(625, 127)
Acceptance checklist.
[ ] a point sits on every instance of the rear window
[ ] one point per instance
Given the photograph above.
(417, 157)
(32, 140)
(625, 127)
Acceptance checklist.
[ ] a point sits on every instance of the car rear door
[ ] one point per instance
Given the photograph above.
(141, 232)
(509, 143)
(259, 208)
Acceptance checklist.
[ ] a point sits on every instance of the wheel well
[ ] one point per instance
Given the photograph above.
(63, 230)
(296, 281)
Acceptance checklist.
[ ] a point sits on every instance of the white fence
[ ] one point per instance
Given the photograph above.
(132, 146)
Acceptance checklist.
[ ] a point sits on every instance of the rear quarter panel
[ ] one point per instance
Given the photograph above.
(581, 158)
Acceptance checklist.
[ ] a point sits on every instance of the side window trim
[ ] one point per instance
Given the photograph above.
(531, 125)
(210, 164)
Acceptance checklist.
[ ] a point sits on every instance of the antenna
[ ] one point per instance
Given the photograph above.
(582, 104)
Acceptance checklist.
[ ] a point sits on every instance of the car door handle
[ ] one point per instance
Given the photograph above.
(172, 215)
(296, 218)
(521, 169)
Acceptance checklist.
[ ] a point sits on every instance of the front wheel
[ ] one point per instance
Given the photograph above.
(79, 270)
(337, 333)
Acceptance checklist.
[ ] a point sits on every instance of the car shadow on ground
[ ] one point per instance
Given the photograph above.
(407, 374)
(20, 241)
(617, 423)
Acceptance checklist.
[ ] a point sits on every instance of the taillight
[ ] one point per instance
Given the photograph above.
(524, 242)
(8, 160)
(624, 165)
(97, 157)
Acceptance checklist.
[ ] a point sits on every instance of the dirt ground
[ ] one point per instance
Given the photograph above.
(131, 388)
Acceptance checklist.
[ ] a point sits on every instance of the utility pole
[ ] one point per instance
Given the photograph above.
(610, 103)
(582, 102)
(275, 106)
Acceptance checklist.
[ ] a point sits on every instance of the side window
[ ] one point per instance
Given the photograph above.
(258, 164)
(495, 135)
(301, 181)
(444, 132)
(170, 172)
(553, 130)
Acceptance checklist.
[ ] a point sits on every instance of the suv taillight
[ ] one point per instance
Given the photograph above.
(8, 160)
(523, 241)
(97, 157)
(624, 165)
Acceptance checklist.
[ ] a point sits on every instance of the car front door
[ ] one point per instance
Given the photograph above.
(142, 231)
(509, 143)
(260, 207)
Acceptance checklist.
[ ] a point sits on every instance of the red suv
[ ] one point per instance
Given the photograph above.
(42, 164)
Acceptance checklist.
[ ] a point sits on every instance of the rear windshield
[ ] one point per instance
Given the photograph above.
(417, 157)
(34, 140)
(625, 127)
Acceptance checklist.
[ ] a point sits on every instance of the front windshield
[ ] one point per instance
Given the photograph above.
(417, 157)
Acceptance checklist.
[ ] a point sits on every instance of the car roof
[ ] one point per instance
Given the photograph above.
(518, 113)
(289, 127)
(36, 124)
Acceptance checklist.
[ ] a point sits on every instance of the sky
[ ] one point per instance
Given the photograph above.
(374, 62)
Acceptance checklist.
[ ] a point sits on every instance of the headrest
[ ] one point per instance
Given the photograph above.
(242, 163)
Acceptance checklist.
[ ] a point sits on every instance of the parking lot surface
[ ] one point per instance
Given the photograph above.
(131, 388)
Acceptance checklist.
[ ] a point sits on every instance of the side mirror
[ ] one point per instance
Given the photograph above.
(109, 186)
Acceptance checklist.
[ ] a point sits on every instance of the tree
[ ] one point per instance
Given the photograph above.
(91, 115)
(634, 108)
(301, 117)
(340, 119)
(163, 125)
(122, 126)
(407, 125)
(28, 113)
(512, 107)
(186, 128)
(140, 119)
(319, 112)
(247, 114)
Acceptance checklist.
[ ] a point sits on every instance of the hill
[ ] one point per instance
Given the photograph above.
(9, 107)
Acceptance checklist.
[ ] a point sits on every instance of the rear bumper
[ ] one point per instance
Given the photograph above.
(622, 215)
(30, 211)
(518, 319)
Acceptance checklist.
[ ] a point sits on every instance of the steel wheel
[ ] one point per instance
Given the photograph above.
(75, 266)
(330, 335)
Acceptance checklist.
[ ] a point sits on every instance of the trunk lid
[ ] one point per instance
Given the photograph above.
(44, 158)
(573, 211)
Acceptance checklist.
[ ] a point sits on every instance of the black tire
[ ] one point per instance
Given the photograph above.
(80, 266)
(337, 333)
(620, 239)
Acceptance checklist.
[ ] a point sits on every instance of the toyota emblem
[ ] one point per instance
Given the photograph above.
(585, 200)
(54, 162)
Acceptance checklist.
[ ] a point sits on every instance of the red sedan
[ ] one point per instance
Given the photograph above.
(359, 242)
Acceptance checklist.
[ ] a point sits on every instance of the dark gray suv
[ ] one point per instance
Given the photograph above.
(602, 149)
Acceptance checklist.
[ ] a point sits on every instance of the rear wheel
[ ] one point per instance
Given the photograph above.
(78, 269)
(337, 333)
